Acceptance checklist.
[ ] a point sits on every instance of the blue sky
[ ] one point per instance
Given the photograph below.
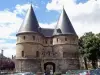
(84, 15)
(42, 8)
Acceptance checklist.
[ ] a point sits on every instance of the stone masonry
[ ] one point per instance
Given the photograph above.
(36, 52)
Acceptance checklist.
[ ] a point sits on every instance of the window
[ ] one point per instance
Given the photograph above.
(24, 37)
(58, 30)
(37, 53)
(65, 39)
(22, 53)
(46, 41)
(57, 39)
(33, 37)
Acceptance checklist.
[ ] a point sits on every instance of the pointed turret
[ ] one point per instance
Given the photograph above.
(64, 25)
(30, 23)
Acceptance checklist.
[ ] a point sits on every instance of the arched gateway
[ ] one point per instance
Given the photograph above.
(49, 66)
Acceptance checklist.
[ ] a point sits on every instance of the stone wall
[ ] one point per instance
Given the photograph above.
(60, 50)
(62, 65)
(28, 65)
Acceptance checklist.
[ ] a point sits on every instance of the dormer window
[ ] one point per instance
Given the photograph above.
(58, 30)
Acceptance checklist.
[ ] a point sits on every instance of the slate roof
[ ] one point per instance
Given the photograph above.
(30, 23)
(46, 32)
(64, 25)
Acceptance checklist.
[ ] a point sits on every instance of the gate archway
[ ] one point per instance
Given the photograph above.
(49, 66)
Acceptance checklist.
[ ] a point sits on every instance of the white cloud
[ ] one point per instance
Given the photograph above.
(9, 48)
(9, 52)
(84, 16)
(46, 25)
(22, 9)
(2, 41)
(9, 23)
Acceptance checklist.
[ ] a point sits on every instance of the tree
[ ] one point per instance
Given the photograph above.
(98, 36)
(89, 48)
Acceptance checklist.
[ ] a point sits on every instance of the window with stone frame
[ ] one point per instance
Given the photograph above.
(65, 38)
(22, 53)
(37, 53)
(33, 37)
(24, 37)
(46, 41)
(57, 39)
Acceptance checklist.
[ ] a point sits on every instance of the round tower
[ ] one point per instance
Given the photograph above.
(28, 44)
(65, 41)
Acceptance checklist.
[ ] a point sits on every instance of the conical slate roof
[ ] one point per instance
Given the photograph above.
(30, 23)
(64, 25)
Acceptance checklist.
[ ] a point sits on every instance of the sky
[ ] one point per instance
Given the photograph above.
(83, 14)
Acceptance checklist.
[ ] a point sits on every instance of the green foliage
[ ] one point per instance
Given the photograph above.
(89, 47)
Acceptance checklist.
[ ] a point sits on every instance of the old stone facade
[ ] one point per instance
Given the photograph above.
(44, 50)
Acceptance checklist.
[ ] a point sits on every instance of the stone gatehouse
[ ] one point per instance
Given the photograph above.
(44, 49)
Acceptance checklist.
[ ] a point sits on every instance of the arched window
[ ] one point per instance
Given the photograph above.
(37, 53)
(22, 53)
